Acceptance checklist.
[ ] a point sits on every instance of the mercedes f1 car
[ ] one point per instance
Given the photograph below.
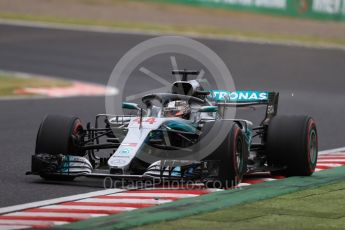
(170, 135)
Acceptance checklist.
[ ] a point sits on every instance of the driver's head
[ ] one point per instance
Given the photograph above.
(177, 109)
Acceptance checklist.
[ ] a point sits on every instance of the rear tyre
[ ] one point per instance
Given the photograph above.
(59, 135)
(231, 156)
(292, 143)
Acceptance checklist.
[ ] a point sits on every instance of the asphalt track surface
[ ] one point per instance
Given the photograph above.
(315, 77)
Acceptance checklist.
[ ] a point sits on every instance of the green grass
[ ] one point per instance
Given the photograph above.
(320, 208)
(175, 29)
(10, 83)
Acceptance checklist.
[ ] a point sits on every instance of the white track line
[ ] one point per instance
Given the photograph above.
(332, 156)
(12, 227)
(153, 195)
(85, 207)
(58, 200)
(100, 29)
(32, 222)
(331, 161)
(328, 165)
(124, 201)
(243, 184)
(269, 179)
(332, 151)
(49, 214)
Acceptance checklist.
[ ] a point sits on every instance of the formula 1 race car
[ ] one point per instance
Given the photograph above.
(170, 138)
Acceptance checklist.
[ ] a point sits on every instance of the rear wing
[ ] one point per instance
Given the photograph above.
(223, 99)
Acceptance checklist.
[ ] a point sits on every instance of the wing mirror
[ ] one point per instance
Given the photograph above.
(129, 105)
(208, 109)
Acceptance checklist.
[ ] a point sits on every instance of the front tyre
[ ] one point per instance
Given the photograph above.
(58, 135)
(231, 156)
(292, 143)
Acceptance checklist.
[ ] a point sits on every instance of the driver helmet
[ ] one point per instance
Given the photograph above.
(177, 109)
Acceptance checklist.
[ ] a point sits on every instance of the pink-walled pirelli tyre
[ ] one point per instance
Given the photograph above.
(232, 156)
(292, 142)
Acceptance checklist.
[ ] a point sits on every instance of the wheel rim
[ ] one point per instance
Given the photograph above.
(312, 146)
(238, 154)
(77, 130)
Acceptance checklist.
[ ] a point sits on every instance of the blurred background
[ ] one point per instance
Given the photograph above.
(307, 21)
